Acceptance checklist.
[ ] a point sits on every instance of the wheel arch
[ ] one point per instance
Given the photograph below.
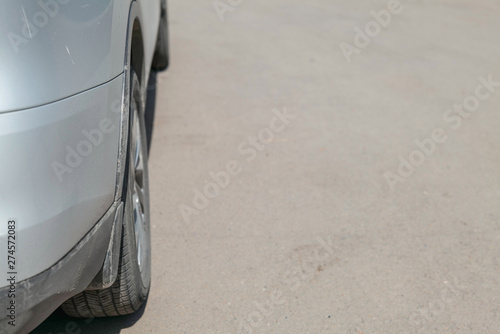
(134, 58)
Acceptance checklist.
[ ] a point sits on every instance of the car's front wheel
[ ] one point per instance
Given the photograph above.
(131, 287)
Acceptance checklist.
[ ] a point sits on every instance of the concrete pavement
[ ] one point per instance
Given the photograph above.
(357, 216)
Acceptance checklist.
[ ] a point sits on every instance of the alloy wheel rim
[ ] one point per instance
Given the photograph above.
(138, 193)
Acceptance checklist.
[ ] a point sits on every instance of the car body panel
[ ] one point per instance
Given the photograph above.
(59, 174)
(53, 49)
(38, 296)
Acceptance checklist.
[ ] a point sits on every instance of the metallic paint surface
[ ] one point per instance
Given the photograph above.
(52, 49)
(81, 48)
(54, 213)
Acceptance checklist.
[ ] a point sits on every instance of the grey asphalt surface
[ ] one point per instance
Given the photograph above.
(309, 237)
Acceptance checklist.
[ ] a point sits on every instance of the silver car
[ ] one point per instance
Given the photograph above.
(74, 201)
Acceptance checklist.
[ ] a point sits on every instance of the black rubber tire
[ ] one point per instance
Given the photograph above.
(161, 56)
(129, 291)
